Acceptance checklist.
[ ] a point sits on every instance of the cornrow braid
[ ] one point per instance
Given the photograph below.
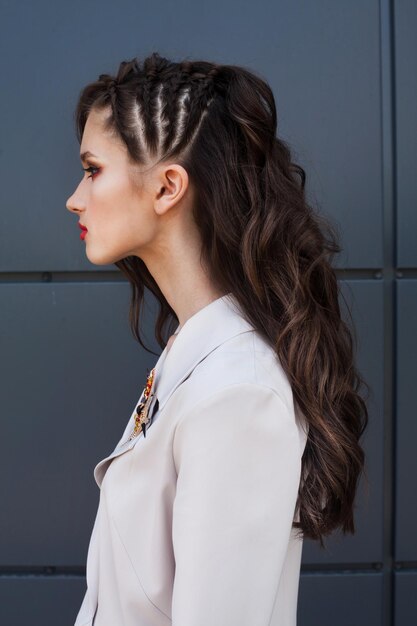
(175, 89)
(196, 107)
(128, 70)
(110, 84)
(149, 110)
(136, 120)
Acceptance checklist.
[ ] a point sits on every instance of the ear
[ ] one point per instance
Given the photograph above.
(172, 182)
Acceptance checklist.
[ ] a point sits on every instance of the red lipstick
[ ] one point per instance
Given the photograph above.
(83, 229)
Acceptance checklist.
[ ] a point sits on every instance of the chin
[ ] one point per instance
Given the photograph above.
(101, 259)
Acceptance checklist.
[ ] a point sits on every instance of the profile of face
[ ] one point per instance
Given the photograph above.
(122, 217)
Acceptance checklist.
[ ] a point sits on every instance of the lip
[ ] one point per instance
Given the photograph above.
(82, 226)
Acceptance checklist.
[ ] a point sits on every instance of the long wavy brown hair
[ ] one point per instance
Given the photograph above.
(260, 240)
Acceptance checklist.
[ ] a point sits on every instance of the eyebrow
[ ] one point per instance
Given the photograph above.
(87, 154)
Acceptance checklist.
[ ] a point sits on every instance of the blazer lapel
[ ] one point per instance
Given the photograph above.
(124, 443)
(202, 333)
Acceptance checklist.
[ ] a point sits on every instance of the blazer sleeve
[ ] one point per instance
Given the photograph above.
(237, 455)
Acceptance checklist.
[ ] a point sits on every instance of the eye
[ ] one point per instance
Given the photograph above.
(90, 169)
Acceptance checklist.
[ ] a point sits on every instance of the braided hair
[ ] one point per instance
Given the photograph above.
(157, 107)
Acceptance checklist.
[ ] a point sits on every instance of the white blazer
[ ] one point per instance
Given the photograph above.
(194, 523)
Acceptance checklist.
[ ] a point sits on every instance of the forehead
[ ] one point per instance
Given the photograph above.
(97, 140)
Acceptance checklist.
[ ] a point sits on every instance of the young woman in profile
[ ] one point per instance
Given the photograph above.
(246, 437)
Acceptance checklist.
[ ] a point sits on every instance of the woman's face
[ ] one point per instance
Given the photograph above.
(120, 218)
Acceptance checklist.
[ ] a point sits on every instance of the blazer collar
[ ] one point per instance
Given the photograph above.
(202, 333)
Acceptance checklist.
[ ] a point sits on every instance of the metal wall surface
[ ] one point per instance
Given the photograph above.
(344, 78)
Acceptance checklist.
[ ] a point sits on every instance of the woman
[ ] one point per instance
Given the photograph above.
(246, 436)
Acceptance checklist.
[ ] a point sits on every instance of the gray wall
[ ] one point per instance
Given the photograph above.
(344, 76)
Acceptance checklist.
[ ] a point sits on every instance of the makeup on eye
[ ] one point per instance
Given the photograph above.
(90, 169)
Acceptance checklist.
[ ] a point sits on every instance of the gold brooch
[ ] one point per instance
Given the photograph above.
(142, 418)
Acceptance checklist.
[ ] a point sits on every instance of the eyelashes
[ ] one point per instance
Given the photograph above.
(90, 169)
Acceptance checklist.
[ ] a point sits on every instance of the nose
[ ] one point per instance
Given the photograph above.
(75, 204)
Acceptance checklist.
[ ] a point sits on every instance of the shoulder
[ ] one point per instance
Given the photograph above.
(237, 423)
(242, 379)
(244, 363)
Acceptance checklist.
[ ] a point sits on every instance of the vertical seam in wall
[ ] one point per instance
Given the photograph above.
(387, 51)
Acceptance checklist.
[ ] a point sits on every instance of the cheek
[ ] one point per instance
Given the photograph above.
(125, 224)
(120, 219)
(106, 201)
